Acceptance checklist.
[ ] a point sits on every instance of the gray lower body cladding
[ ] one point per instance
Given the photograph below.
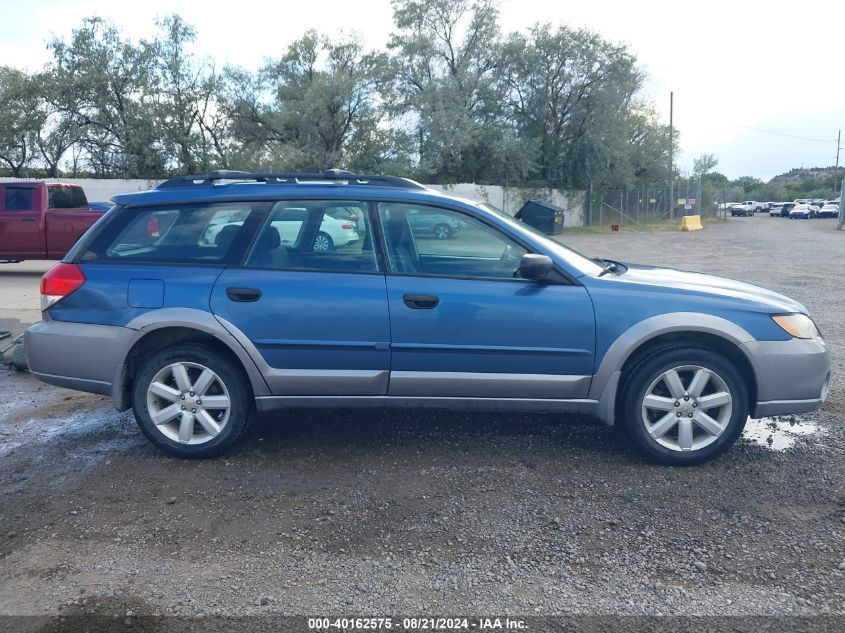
(79, 356)
(792, 377)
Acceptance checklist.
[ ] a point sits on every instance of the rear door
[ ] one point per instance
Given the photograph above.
(21, 231)
(315, 311)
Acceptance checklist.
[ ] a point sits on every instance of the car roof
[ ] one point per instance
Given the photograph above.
(36, 183)
(244, 191)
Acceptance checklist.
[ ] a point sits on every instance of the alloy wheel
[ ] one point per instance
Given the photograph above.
(188, 403)
(322, 243)
(687, 408)
(442, 232)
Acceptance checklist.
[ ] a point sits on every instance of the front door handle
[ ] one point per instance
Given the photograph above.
(421, 302)
(243, 294)
(27, 219)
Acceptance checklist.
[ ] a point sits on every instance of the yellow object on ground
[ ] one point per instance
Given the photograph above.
(691, 223)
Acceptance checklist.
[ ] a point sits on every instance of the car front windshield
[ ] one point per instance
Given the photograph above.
(573, 258)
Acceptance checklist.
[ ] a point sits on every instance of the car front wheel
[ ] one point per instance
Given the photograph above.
(684, 406)
(191, 401)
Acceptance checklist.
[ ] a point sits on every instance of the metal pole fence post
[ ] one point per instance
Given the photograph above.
(836, 169)
(671, 164)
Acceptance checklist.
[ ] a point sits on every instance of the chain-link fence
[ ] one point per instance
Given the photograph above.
(652, 202)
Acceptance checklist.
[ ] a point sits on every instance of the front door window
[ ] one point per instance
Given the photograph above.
(426, 240)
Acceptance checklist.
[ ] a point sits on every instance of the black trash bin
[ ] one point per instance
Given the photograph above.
(543, 216)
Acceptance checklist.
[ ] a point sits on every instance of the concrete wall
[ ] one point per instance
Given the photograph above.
(508, 199)
(511, 199)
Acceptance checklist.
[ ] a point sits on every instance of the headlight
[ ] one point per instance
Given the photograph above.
(797, 325)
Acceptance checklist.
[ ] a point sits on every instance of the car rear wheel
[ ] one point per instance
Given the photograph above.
(323, 242)
(684, 405)
(192, 401)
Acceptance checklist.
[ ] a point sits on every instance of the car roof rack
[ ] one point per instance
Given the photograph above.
(333, 176)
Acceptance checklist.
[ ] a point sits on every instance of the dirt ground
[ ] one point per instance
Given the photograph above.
(429, 513)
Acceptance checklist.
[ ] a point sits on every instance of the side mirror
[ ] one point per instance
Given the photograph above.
(536, 267)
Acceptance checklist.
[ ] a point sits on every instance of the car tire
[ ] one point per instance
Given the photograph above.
(323, 242)
(186, 426)
(664, 431)
(442, 231)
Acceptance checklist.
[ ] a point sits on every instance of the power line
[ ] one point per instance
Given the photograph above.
(802, 138)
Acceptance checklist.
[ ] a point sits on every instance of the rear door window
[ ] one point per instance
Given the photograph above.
(190, 233)
(324, 235)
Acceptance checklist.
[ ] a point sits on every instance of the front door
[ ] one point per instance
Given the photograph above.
(312, 301)
(463, 324)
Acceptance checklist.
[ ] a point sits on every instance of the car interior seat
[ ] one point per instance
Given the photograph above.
(226, 236)
(402, 248)
(268, 251)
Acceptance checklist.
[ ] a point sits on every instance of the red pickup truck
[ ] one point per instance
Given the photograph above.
(41, 220)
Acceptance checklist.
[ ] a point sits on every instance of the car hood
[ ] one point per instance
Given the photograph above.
(700, 283)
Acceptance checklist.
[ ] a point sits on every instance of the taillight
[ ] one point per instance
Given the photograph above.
(58, 282)
(152, 228)
(347, 226)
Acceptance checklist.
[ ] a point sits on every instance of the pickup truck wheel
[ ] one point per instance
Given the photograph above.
(191, 401)
(442, 231)
(684, 405)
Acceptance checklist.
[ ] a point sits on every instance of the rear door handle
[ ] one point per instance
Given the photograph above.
(243, 294)
(27, 219)
(421, 302)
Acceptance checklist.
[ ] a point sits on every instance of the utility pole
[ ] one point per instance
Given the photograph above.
(841, 206)
(671, 164)
(836, 169)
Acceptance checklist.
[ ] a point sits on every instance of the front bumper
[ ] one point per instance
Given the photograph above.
(792, 376)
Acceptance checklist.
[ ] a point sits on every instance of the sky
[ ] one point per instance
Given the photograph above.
(761, 85)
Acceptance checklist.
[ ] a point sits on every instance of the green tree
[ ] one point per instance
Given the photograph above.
(112, 82)
(56, 117)
(445, 85)
(18, 128)
(747, 184)
(184, 90)
(313, 108)
(571, 93)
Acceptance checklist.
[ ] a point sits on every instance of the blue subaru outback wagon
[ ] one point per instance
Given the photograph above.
(196, 329)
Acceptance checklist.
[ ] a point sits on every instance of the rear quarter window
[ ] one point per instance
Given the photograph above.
(179, 234)
(66, 198)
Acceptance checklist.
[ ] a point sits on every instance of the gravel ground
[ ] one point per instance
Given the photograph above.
(349, 512)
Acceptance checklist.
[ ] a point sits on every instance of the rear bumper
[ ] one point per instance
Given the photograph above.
(77, 356)
(792, 376)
